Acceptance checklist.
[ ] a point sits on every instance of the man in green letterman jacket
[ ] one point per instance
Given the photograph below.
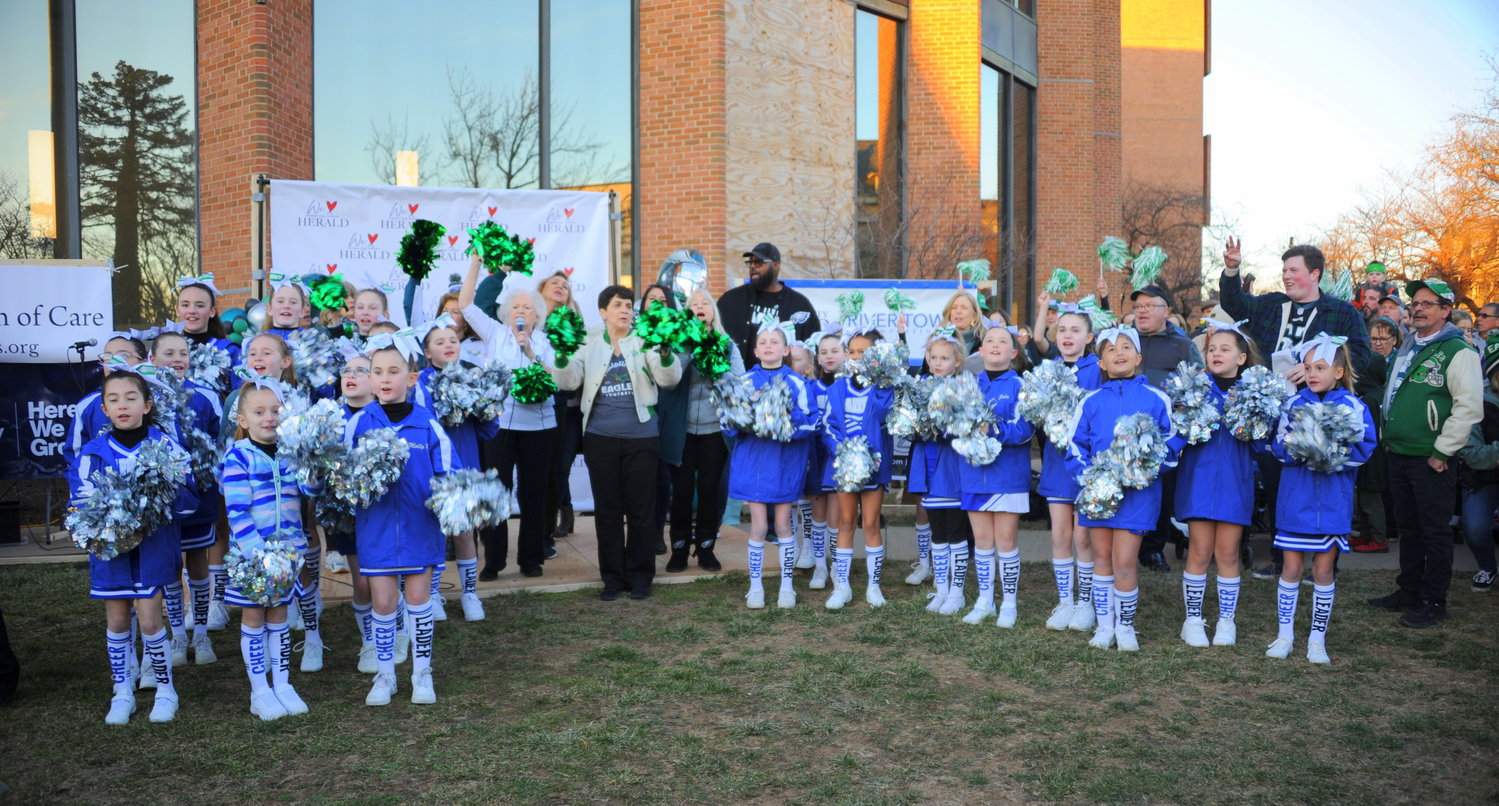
(1433, 399)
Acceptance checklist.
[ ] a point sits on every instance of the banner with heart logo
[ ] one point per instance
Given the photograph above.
(355, 230)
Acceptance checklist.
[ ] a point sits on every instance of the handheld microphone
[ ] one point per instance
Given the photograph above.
(520, 323)
(79, 345)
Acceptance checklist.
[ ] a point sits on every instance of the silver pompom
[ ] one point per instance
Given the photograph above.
(958, 407)
(311, 439)
(1048, 397)
(734, 397)
(1320, 434)
(909, 417)
(466, 500)
(266, 572)
(121, 505)
(883, 364)
(462, 392)
(1133, 460)
(208, 366)
(1193, 413)
(315, 357)
(1254, 403)
(854, 464)
(368, 471)
(772, 410)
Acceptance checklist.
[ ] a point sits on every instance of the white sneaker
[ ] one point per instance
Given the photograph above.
(421, 688)
(1195, 632)
(403, 647)
(368, 664)
(312, 655)
(218, 616)
(121, 706)
(1103, 638)
(920, 572)
(982, 609)
(203, 653)
(382, 689)
(819, 577)
(755, 599)
(935, 600)
(473, 609)
(874, 596)
(267, 706)
(165, 707)
(335, 563)
(1280, 648)
(954, 603)
(1226, 633)
(179, 650)
(1083, 617)
(147, 676)
(439, 611)
(787, 598)
(1008, 613)
(1125, 639)
(842, 595)
(1316, 652)
(804, 554)
(290, 700)
(1060, 617)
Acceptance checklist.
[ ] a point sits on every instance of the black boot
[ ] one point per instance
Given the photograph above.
(564, 522)
(496, 546)
(679, 552)
(705, 558)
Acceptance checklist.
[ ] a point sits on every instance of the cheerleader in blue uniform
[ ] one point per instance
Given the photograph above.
(359, 392)
(442, 346)
(288, 307)
(1215, 495)
(1073, 336)
(855, 410)
(198, 312)
(1116, 540)
(134, 578)
(936, 470)
(89, 419)
(398, 535)
(995, 495)
(263, 500)
(170, 352)
(768, 475)
(1314, 509)
(830, 356)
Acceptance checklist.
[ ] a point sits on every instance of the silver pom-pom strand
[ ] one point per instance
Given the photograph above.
(1194, 415)
(1254, 404)
(208, 366)
(854, 464)
(311, 439)
(958, 407)
(1321, 434)
(734, 396)
(462, 392)
(368, 471)
(123, 504)
(908, 417)
(315, 357)
(772, 410)
(1049, 395)
(883, 365)
(1133, 460)
(467, 500)
(266, 572)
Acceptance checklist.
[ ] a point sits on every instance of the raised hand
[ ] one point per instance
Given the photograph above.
(1232, 256)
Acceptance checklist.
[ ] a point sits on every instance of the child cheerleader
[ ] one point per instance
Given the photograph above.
(263, 500)
(198, 312)
(1073, 331)
(134, 578)
(856, 410)
(935, 470)
(89, 418)
(767, 474)
(370, 306)
(358, 392)
(1314, 508)
(398, 535)
(995, 495)
(1116, 539)
(1215, 495)
(824, 532)
(288, 307)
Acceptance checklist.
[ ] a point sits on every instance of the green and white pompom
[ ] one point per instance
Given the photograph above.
(1148, 265)
(1113, 253)
(899, 302)
(1062, 282)
(850, 305)
(974, 271)
(1339, 286)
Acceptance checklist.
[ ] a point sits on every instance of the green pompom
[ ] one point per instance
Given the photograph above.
(711, 355)
(565, 330)
(975, 271)
(1147, 267)
(1062, 282)
(500, 250)
(850, 305)
(328, 294)
(898, 301)
(1113, 253)
(418, 249)
(660, 326)
(532, 384)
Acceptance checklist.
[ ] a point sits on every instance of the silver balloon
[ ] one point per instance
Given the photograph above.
(684, 272)
(257, 315)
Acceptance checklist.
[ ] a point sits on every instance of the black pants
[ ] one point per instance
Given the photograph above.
(695, 483)
(1270, 468)
(663, 497)
(1423, 509)
(569, 440)
(950, 526)
(10, 667)
(529, 455)
(1154, 541)
(622, 473)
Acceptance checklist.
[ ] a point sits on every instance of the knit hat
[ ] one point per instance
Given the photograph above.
(1491, 355)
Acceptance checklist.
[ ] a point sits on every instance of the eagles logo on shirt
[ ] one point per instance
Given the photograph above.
(1429, 372)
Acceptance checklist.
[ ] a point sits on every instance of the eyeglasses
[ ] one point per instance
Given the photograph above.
(1425, 303)
(357, 372)
(753, 261)
(122, 354)
(1381, 339)
(1488, 316)
(1145, 306)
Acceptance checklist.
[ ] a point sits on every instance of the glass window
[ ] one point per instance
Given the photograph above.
(1007, 188)
(136, 148)
(878, 157)
(27, 193)
(1023, 204)
(991, 174)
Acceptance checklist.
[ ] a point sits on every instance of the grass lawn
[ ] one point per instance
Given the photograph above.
(689, 698)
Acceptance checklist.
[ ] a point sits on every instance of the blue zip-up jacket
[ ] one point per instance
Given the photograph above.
(853, 412)
(208, 413)
(398, 534)
(1215, 480)
(1010, 472)
(765, 471)
(89, 422)
(1311, 502)
(819, 463)
(1057, 480)
(157, 560)
(261, 495)
(1093, 432)
(466, 435)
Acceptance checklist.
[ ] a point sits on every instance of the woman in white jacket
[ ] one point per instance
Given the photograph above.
(619, 380)
(528, 431)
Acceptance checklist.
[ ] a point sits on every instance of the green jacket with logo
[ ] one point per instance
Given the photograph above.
(1431, 410)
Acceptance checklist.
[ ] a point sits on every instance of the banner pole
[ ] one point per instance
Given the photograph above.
(260, 186)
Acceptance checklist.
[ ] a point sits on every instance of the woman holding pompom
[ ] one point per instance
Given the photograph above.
(557, 294)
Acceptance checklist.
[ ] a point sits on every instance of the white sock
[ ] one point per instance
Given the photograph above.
(983, 568)
(941, 562)
(756, 562)
(201, 590)
(1085, 582)
(1194, 590)
(1228, 597)
(819, 540)
(278, 652)
(874, 559)
(385, 641)
(1009, 575)
(1128, 601)
(307, 604)
(804, 524)
(924, 543)
(843, 560)
(363, 617)
(1061, 571)
(1102, 584)
(437, 580)
(220, 574)
(118, 645)
(421, 639)
(1322, 596)
(787, 546)
(959, 573)
(313, 562)
(1285, 608)
(172, 595)
(252, 649)
(161, 663)
(468, 571)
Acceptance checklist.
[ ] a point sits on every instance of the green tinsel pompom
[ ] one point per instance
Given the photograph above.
(1062, 282)
(1148, 265)
(850, 305)
(519, 254)
(532, 384)
(500, 250)
(975, 271)
(661, 326)
(418, 249)
(899, 302)
(1113, 253)
(710, 356)
(328, 293)
(1339, 286)
(565, 330)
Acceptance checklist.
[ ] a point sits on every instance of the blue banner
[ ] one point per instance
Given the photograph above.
(37, 403)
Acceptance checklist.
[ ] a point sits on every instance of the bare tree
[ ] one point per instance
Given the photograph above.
(1171, 218)
(16, 241)
(386, 141)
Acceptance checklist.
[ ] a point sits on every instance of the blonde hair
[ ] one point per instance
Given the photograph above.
(978, 315)
(442, 302)
(541, 293)
(289, 374)
(239, 408)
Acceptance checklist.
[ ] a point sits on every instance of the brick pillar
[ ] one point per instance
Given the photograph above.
(254, 116)
(680, 184)
(942, 137)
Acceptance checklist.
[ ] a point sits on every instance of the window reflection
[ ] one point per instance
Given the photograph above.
(878, 156)
(27, 192)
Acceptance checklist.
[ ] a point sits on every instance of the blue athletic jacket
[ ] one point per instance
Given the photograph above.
(208, 413)
(1093, 432)
(1310, 502)
(819, 463)
(1215, 480)
(763, 470)
(398, 533)
(1057, 480)
(855, 412)
(261, 495)
(1010, 472)
(466, 435)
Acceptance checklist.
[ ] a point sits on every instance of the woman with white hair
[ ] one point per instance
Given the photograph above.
(528, 431)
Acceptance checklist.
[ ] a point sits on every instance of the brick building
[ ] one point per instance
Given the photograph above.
(871, 138)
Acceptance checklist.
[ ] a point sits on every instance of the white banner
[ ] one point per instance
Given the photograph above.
(48, 307)
(356, 230)
(930, 297)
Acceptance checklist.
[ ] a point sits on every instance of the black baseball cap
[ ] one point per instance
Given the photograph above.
(766, 252)
(1151, 291)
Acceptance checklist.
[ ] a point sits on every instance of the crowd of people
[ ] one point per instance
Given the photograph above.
(651, 427)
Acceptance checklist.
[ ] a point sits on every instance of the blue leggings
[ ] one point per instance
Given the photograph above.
(1478, 524)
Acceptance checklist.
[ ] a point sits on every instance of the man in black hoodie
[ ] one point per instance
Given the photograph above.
(741, 307)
